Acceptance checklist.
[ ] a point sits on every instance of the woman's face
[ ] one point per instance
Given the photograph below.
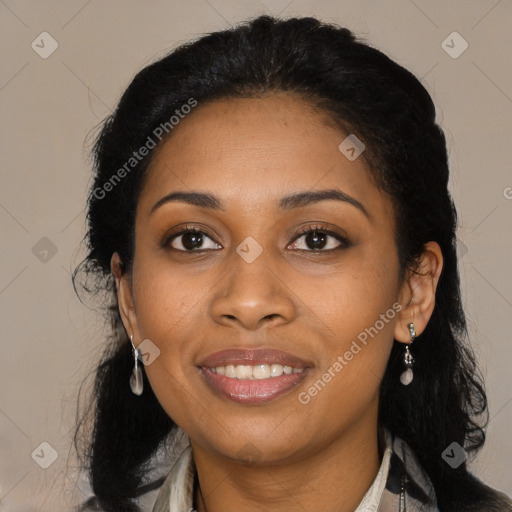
(253, 281)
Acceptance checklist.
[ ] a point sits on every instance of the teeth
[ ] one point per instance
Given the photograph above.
(243, 372)
(230, 371)
(276, 370)
(262, 371)
(259, 371)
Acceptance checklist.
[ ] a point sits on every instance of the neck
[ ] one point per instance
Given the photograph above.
(334, 479)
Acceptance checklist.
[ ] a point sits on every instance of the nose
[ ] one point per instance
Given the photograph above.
(253, 295)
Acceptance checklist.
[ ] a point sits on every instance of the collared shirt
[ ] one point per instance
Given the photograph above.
(401, 485)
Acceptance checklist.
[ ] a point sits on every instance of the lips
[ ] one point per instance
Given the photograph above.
(253, 357)
(253, 391)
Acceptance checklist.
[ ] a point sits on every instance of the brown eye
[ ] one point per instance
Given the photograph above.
(323, 240)
(191, 240)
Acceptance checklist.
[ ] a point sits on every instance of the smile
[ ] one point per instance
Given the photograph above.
(253, 376)
(259, 371)
(253, 384)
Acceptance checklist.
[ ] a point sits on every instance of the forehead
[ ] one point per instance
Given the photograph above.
(252, 151)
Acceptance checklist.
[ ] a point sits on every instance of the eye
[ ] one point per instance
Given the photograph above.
(190, 240)
(317, 238)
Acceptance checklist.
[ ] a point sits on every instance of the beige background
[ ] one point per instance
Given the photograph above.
(48, 107)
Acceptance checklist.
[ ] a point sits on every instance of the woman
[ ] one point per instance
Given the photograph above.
(270, 213)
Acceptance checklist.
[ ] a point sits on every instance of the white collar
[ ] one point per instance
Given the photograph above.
(177, 492)
(371, 500)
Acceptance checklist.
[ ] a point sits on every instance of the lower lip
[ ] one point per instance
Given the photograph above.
(256, 391)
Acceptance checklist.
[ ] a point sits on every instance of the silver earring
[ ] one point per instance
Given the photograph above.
(407, 375)
(136, 382)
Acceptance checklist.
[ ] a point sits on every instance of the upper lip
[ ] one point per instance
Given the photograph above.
(253, 357)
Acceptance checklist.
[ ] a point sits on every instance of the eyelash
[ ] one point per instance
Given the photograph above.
(344, 242)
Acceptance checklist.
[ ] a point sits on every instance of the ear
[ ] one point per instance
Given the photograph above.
(124, 296)
(418, 292)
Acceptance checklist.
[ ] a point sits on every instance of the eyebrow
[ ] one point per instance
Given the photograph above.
(289, 202)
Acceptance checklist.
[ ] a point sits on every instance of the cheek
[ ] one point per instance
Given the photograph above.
(167, 300)
(168, 315)
(353, 295)
(356, 311)
(359, 329)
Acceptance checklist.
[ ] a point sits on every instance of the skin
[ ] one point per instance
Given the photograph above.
(320, 456)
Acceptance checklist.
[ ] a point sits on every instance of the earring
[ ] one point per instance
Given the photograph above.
(407, 375)
(136, 382)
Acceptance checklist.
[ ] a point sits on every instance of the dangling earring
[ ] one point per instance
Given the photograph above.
(136, 382)
(407, 375)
